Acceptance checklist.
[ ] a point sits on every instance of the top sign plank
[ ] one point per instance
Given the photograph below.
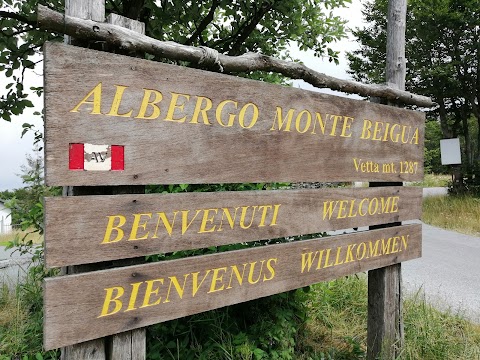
(115, 120)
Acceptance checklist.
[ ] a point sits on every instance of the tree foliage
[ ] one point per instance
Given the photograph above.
(230, 27)
(443, 53)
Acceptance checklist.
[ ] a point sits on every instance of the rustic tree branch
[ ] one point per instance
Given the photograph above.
(10, 15)
(123, 38)
(247, 28)
(203, 24)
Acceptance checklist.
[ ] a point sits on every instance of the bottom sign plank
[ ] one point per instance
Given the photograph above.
(92, 305)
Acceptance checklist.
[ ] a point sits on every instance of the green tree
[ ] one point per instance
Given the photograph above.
(443, 52)
(230, 27)
(27, 203)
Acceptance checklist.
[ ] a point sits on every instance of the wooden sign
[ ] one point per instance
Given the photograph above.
(92, 305)
(115, 120)
(92, 229)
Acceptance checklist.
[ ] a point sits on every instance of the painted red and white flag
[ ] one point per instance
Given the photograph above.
(90, 157)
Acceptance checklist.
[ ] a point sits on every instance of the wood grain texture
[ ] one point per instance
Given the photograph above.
(385, 333)
(89, 350)
(87, 306)
(84, 9)
(182, 144)
(76, 229)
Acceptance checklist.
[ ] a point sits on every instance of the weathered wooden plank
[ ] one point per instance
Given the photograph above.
(179, 125)
(93, 229)
(86, 306)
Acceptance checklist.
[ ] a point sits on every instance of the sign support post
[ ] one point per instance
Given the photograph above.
(385, 335)
(130, 345)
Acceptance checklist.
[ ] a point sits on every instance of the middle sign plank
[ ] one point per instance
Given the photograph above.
(92, 229)
(116, 120)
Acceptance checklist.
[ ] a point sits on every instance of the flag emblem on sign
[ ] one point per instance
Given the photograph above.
(89, 157)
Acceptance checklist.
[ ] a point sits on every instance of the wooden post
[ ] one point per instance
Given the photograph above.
(385, 322)
(130, 345)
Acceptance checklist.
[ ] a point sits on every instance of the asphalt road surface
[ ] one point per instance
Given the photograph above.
(448, 273)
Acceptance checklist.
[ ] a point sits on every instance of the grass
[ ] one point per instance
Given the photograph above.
(19, 235)
(434, 180)
(338, 323)
(458, 213)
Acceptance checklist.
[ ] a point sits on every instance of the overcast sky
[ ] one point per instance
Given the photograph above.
(13, 149)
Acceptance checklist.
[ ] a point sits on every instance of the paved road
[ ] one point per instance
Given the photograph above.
(434, 191)
(448, 272)
(12, 267)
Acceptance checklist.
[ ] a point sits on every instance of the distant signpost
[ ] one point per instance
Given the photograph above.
(116, 120)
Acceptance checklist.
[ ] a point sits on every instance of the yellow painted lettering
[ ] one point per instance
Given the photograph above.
(206, 219)
(244, 214)
(394, 133)
(337, 258)
(251, 272)
(275, 214)
(195, 285)
(395, 248)
(185, 223)
(405, 241)
(349, 258)
(376, 131)
(361, 253)
(347, 123)
(180, 289)
(320, 258)
(329, 208)
(166, 223)
(217, 278)
(174, 105)
(350, 212)
(265, 208)
(136, 225)
(373, 249)
(237, 275)
(201, 109)
(366, 132)
(307, 260)
(218, 113)
(394, 207)
(298, 121)
(327, 257)
(133, 296)
(117, 99)
(342, 210)
(148, 102)
(270, 269)
(112, 227)
(386, 246)
(109, 298)
(280, 120)
(415, 136)
(230, 219)
(241, 115)
(385, 204)
(96, 102)
(360, 207)
(334, 125)
(321, 124)
(151, 291)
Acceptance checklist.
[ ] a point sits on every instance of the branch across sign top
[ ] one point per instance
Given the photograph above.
(178, 125)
